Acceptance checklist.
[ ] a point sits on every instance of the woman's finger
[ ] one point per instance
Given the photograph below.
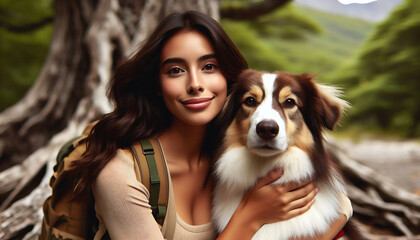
(302, 201)
(297, 185)
(304, 190)
(298, 211)
(291, 195)
(272, 176)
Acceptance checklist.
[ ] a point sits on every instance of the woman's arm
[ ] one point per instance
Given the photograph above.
(346, 212)
(267, 204)
(121, 202)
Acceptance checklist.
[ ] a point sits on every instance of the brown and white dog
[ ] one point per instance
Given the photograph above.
(277, 120)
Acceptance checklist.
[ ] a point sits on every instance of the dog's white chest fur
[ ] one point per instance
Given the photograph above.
(238, 170)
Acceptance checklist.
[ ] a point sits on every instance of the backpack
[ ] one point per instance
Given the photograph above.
(67, 218)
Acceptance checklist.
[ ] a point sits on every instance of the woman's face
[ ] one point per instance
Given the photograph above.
(192, 85)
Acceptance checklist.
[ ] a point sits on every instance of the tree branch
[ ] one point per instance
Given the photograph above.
(27, 27)
(251, 11)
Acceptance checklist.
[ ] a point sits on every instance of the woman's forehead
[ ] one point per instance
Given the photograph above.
(185, 44)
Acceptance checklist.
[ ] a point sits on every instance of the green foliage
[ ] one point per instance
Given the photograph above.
(22, 54)
(286, 23)
(298, 40)
(256, 38)
(258, 53)
(325, 52)
(383, 81)
(24, 12)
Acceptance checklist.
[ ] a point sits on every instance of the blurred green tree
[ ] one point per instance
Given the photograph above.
(254, 37)
(383, 81)
(25, 33)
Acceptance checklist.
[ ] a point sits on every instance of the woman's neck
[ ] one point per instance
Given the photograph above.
(183, 142)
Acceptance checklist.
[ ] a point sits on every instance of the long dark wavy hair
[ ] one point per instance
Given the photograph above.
(139, 112)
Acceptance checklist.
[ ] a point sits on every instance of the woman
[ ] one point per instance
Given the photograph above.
(173, 88)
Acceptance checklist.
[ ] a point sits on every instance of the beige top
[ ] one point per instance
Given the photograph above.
(122, 205)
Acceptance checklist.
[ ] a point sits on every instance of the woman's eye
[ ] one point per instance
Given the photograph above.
(250, 102)
(175, 70)
(289, 103)
(209, 67)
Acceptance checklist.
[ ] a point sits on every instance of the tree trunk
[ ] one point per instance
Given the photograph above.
(90, 38)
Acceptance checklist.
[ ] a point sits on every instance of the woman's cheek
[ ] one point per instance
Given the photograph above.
(219, 84)
(221, 94)
(171, 87)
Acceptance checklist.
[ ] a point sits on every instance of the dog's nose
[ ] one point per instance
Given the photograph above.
(267, 129)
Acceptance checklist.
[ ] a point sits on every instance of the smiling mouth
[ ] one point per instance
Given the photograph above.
(196, 100)
(197, 103)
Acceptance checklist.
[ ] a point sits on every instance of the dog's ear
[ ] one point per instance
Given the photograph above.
(332, 105)
(324, 104)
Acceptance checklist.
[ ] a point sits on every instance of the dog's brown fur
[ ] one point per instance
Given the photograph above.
(316, 108)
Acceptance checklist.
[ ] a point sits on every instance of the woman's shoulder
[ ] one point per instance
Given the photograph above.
(119, 168)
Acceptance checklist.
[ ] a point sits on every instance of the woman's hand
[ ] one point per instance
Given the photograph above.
(267, 203)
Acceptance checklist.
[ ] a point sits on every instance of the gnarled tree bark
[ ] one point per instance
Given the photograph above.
(376, 199)
(90, 39)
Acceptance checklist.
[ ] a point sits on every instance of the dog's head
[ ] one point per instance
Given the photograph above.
(268, 112)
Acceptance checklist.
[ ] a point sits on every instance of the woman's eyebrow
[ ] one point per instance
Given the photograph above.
(180, 60)
(173, 60)
(205, 57)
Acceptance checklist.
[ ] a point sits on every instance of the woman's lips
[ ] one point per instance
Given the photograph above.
(197, 103)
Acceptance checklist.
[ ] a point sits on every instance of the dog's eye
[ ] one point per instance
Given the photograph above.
(250, 102)
(289, 103)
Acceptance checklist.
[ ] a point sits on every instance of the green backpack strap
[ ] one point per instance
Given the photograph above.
(149, 153)
(157, 182)
(65, 150)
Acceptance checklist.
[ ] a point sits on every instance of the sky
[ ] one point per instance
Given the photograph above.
(355, 1)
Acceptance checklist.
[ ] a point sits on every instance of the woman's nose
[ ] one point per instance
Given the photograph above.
(195, 84)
